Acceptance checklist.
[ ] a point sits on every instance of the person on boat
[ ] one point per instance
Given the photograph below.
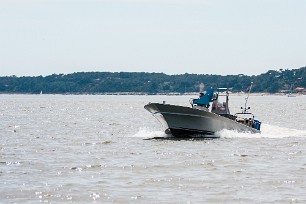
(200, 96)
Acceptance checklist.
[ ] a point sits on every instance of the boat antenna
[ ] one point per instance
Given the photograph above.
(201, 87)
(247, 98)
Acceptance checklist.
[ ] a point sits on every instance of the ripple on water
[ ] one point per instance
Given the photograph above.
(80, 149)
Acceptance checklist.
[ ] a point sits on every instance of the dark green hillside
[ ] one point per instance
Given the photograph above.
(151, 83)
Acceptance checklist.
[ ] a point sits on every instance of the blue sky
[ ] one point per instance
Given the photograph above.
(42, 37)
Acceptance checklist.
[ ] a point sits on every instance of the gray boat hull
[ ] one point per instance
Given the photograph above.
(185, 121)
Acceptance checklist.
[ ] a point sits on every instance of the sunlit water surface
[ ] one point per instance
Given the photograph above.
(82, 149)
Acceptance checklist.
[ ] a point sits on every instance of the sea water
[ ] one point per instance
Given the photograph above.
(92, 148)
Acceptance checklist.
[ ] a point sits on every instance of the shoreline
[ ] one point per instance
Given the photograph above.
(157, 94)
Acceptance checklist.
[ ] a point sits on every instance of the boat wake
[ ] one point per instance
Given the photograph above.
(267, 131)
(147, 133)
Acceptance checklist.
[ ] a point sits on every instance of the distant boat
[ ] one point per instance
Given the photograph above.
(41, 92)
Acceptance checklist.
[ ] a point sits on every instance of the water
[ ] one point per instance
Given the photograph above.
(82, 149)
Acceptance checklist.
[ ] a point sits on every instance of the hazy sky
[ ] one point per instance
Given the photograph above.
(42, 37)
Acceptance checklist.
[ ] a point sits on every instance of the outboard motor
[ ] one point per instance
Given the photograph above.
(257, 124)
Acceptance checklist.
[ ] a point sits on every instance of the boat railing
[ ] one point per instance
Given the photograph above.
(245, 115)
(191, 101)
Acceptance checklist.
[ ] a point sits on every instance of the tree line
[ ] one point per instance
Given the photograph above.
(272, 81)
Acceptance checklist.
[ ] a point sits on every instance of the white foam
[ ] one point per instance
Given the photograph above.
(267, 131)
(236, 134)
(281, 132)
(147, 133)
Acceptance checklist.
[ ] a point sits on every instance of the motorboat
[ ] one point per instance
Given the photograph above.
(202, 120)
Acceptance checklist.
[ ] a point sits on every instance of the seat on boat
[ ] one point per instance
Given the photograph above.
(204, 99)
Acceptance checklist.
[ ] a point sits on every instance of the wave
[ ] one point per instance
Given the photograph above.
(147, 133)
(267, 131)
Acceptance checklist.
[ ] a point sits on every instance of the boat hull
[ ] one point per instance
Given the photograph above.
(185, 121)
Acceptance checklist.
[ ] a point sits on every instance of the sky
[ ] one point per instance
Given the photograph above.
(43, 37)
